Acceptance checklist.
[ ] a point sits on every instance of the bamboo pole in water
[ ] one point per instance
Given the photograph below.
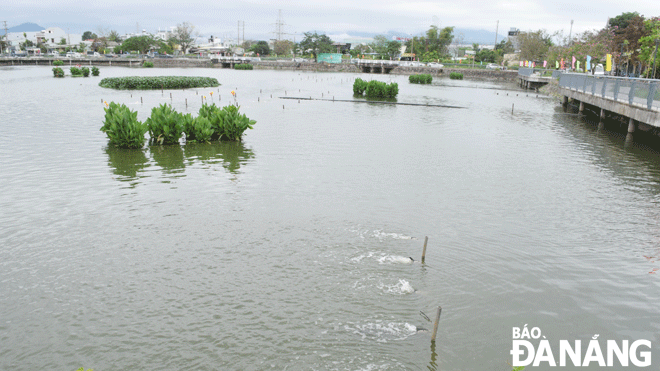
(435, 325)
(426, 240)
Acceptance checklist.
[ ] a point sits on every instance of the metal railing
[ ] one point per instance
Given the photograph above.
(636, 92)
(527, 71)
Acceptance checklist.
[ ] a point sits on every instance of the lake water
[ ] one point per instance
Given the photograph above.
(289, 251)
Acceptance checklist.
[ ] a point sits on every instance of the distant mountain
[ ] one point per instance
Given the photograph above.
(26, 27)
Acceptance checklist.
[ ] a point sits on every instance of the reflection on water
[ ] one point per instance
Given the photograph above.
(169, 158)
(231, 154)
(127, 163)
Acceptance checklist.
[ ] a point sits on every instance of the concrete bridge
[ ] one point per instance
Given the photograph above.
(533, 78)
(638, 100)
(229, 62)
(376, 66)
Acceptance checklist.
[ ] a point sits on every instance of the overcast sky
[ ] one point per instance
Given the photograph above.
(220, 18)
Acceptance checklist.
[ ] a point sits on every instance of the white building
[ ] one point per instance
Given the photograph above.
(51, 37)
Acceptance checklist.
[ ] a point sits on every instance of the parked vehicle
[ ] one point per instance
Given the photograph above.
(599, 70)
(73, 55)
(493, 66)
(93, 54)
(436, 65)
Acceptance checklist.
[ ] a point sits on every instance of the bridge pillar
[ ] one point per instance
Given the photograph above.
(631, 130)
(601, 124)
(581, 109)
(564, 101)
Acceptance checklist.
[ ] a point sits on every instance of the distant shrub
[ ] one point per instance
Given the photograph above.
(85, 71)
(58, 63)
(456, 76)
(122, 127)
(157, 82)
(420, 79)
(76, 72)
(95, 71)
(148, 64)
(58, 72)
(165, 125)
(243, 66)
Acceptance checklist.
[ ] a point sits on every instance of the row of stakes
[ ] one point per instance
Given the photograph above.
(220, 97)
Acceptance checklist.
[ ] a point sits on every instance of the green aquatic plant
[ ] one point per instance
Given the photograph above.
(375, 89)
(95, 71)
(359, 86)
(379, 89)
(165, 125)
(234, 124)
(75, 71)
(148, 64)
(85, 71)
(456, 76)
(58, 63)
(157, 82)
(420, 79)
(122, 127)
(243, 66)
(58, 72)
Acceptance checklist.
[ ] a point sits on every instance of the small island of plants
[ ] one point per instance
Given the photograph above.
(158, 82)
(167, 126)
(456, 76)
(243, 66)
(375, 89)
(420, 79)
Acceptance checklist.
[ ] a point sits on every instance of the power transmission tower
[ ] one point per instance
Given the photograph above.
(279, 26)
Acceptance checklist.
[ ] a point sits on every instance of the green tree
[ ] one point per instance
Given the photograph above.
(648, 47)
(62, 41)
(183, 36)
(89, 35)
(506, 46)
(626, 39)
(261, 47)
(314, 44)
(142, 44)
(622, 21)
(283, 47)
(534, 44)
(114, 36)
(380, 45)
(393, 49)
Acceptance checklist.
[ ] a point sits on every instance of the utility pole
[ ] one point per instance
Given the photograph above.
(496, 29)
(6, 38)
(570, 32)
(238, 37)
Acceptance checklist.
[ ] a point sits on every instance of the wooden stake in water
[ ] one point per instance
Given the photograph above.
(426, 240)
(512, 108)
(141, 100)
(435, 325)
(186, 102)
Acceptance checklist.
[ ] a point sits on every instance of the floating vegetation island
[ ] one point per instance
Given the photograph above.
(375, 89)
(420, 79)
(158, 82)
